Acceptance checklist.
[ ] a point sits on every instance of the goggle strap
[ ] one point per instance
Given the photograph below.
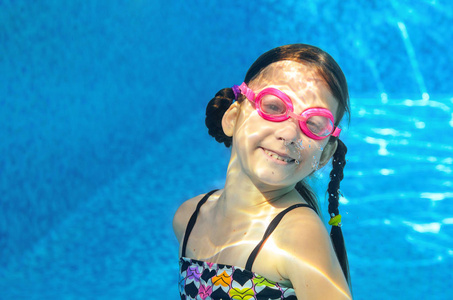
(336, 132)
(236, 91)
(247, 92)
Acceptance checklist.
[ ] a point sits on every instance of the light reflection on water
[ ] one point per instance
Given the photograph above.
(398, 184)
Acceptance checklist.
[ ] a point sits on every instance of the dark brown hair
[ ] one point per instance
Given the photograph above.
(330, 71)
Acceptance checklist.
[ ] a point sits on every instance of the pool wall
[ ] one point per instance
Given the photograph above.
(102, 137)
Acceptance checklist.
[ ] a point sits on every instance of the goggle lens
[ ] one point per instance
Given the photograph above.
(319, 125)
(273, 106)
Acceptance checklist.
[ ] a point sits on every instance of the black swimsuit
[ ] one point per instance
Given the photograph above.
(205, 280)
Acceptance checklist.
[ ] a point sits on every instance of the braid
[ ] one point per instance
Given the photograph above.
(336, 235)
(336, 175)
(214, 113)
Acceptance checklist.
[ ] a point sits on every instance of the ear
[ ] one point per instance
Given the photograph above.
(327, 153)
(229, 119)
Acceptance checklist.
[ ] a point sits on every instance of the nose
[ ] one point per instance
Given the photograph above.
(287, 130)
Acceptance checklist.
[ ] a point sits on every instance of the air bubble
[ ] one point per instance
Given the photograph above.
(297, 162)
(315, 163)
(299, 145)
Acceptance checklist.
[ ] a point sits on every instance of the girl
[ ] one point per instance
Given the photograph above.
(261, 237)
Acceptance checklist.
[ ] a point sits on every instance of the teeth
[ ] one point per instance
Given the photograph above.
(276, 156)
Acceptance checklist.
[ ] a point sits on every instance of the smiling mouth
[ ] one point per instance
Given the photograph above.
(278, 157)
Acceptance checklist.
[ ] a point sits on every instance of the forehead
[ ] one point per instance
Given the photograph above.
(299, 81)
(287, 72)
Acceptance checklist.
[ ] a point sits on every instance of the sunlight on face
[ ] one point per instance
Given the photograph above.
(299, 81)
(279, 154)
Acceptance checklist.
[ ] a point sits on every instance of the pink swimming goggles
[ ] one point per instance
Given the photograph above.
(274, 105)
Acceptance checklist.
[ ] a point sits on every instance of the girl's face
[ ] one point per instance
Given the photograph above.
(279, 154)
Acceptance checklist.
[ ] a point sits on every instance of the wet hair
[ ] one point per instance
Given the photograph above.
(326, 67)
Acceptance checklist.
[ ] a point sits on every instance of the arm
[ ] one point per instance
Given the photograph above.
(312, 265)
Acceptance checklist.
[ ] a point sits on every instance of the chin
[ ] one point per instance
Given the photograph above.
(273, 180)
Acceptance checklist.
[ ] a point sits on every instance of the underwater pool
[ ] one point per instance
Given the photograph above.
(102, 108)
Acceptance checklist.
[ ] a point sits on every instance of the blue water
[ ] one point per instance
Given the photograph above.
(102, 137)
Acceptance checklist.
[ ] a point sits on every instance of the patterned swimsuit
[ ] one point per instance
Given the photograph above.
(206, 281)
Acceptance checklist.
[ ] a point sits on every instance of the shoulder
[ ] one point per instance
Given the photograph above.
(183, 214)
(302, 230)
(310, 262)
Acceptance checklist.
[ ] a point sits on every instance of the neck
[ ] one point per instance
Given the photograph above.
(242, 195)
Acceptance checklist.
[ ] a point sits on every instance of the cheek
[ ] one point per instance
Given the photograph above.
(246, 132)
(250, 125)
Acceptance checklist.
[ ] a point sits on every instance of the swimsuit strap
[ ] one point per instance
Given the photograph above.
(268, 232)
(257, 249)
(192, 220)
